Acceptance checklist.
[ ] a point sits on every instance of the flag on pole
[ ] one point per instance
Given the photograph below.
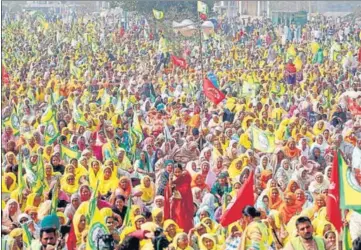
(51, 131)
(333, 197)
(262, 140)
(180, 62)
(54, 198)
(350, 190)
(244, 198)
(4, 75)
(79, 117)
(69, 153)
(211, 92)
(158, 14)
(26, 235)
(202, 7)
(13, 122)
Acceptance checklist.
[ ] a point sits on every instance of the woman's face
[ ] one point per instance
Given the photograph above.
(13, 208)
(11, 158)
(201, 230)
(304, 174)
(329, 171)
(123, 183)
(304, 143)
(74, 162)
(274, 194)
(55, 161)
(319, 178)
(239, 165)
(273, 183)
(95, 166)
(292, 145)
(208, 222)
(139, 222)
(265, 201)
(320, 140)
(194, 166)
(71, 169)
(75, 202)
(71, 180)
(171, 230)
(288, 200)
(182, 242)
(85, 193)
(159, 154)
(205, 168)
(8, 181)
(199, 180)
(320, 202)
(264, 162)
(177, 172)
(331, 238)
(300, 196)
(119, 203)
(208, 243)
(294, 187)
(146, 182)
(107, 173)
(317, 152)
(82, 223)
(142, 156)
(159, 202)
(326, 133)
(203, 214)
(286, 165)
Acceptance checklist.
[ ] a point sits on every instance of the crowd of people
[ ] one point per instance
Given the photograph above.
(99, 124)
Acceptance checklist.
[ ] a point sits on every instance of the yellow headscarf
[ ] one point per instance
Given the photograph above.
(232, 170)
(107, 185)
(12, 187)
(69, 189)
(210, 237)
(176, 239)
(30, 199)
(76, 221)
(147, 192)
(168, 223)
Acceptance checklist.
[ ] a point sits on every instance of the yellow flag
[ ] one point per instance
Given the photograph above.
(262, 140)
(158, 14)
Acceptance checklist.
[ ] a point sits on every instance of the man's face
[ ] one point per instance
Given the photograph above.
(48, 239)
(305, 230)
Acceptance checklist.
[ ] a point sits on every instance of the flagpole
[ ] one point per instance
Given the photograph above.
(200, 40)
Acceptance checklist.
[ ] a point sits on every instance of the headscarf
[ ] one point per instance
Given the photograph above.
(282, 175)
(120, 191)
(210, 237)
(4, 188)
(289, 186)
(233, 171)
(176, 239)
(147, 192)
(274, 204)
(291, 153)
(168, 223)
(202, 186)
(289, 210)
(316, 187)
(70, 209)
(109, 185)
(265, 176)
(7, 220)
(67, 188)
(76, 221)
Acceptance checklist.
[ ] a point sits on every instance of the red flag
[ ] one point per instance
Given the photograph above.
(4, 75)
(245, 197)
(211, 92)
(203, 16)
(333, 197)
(121, 32)
(180, 62)
(353, 106)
